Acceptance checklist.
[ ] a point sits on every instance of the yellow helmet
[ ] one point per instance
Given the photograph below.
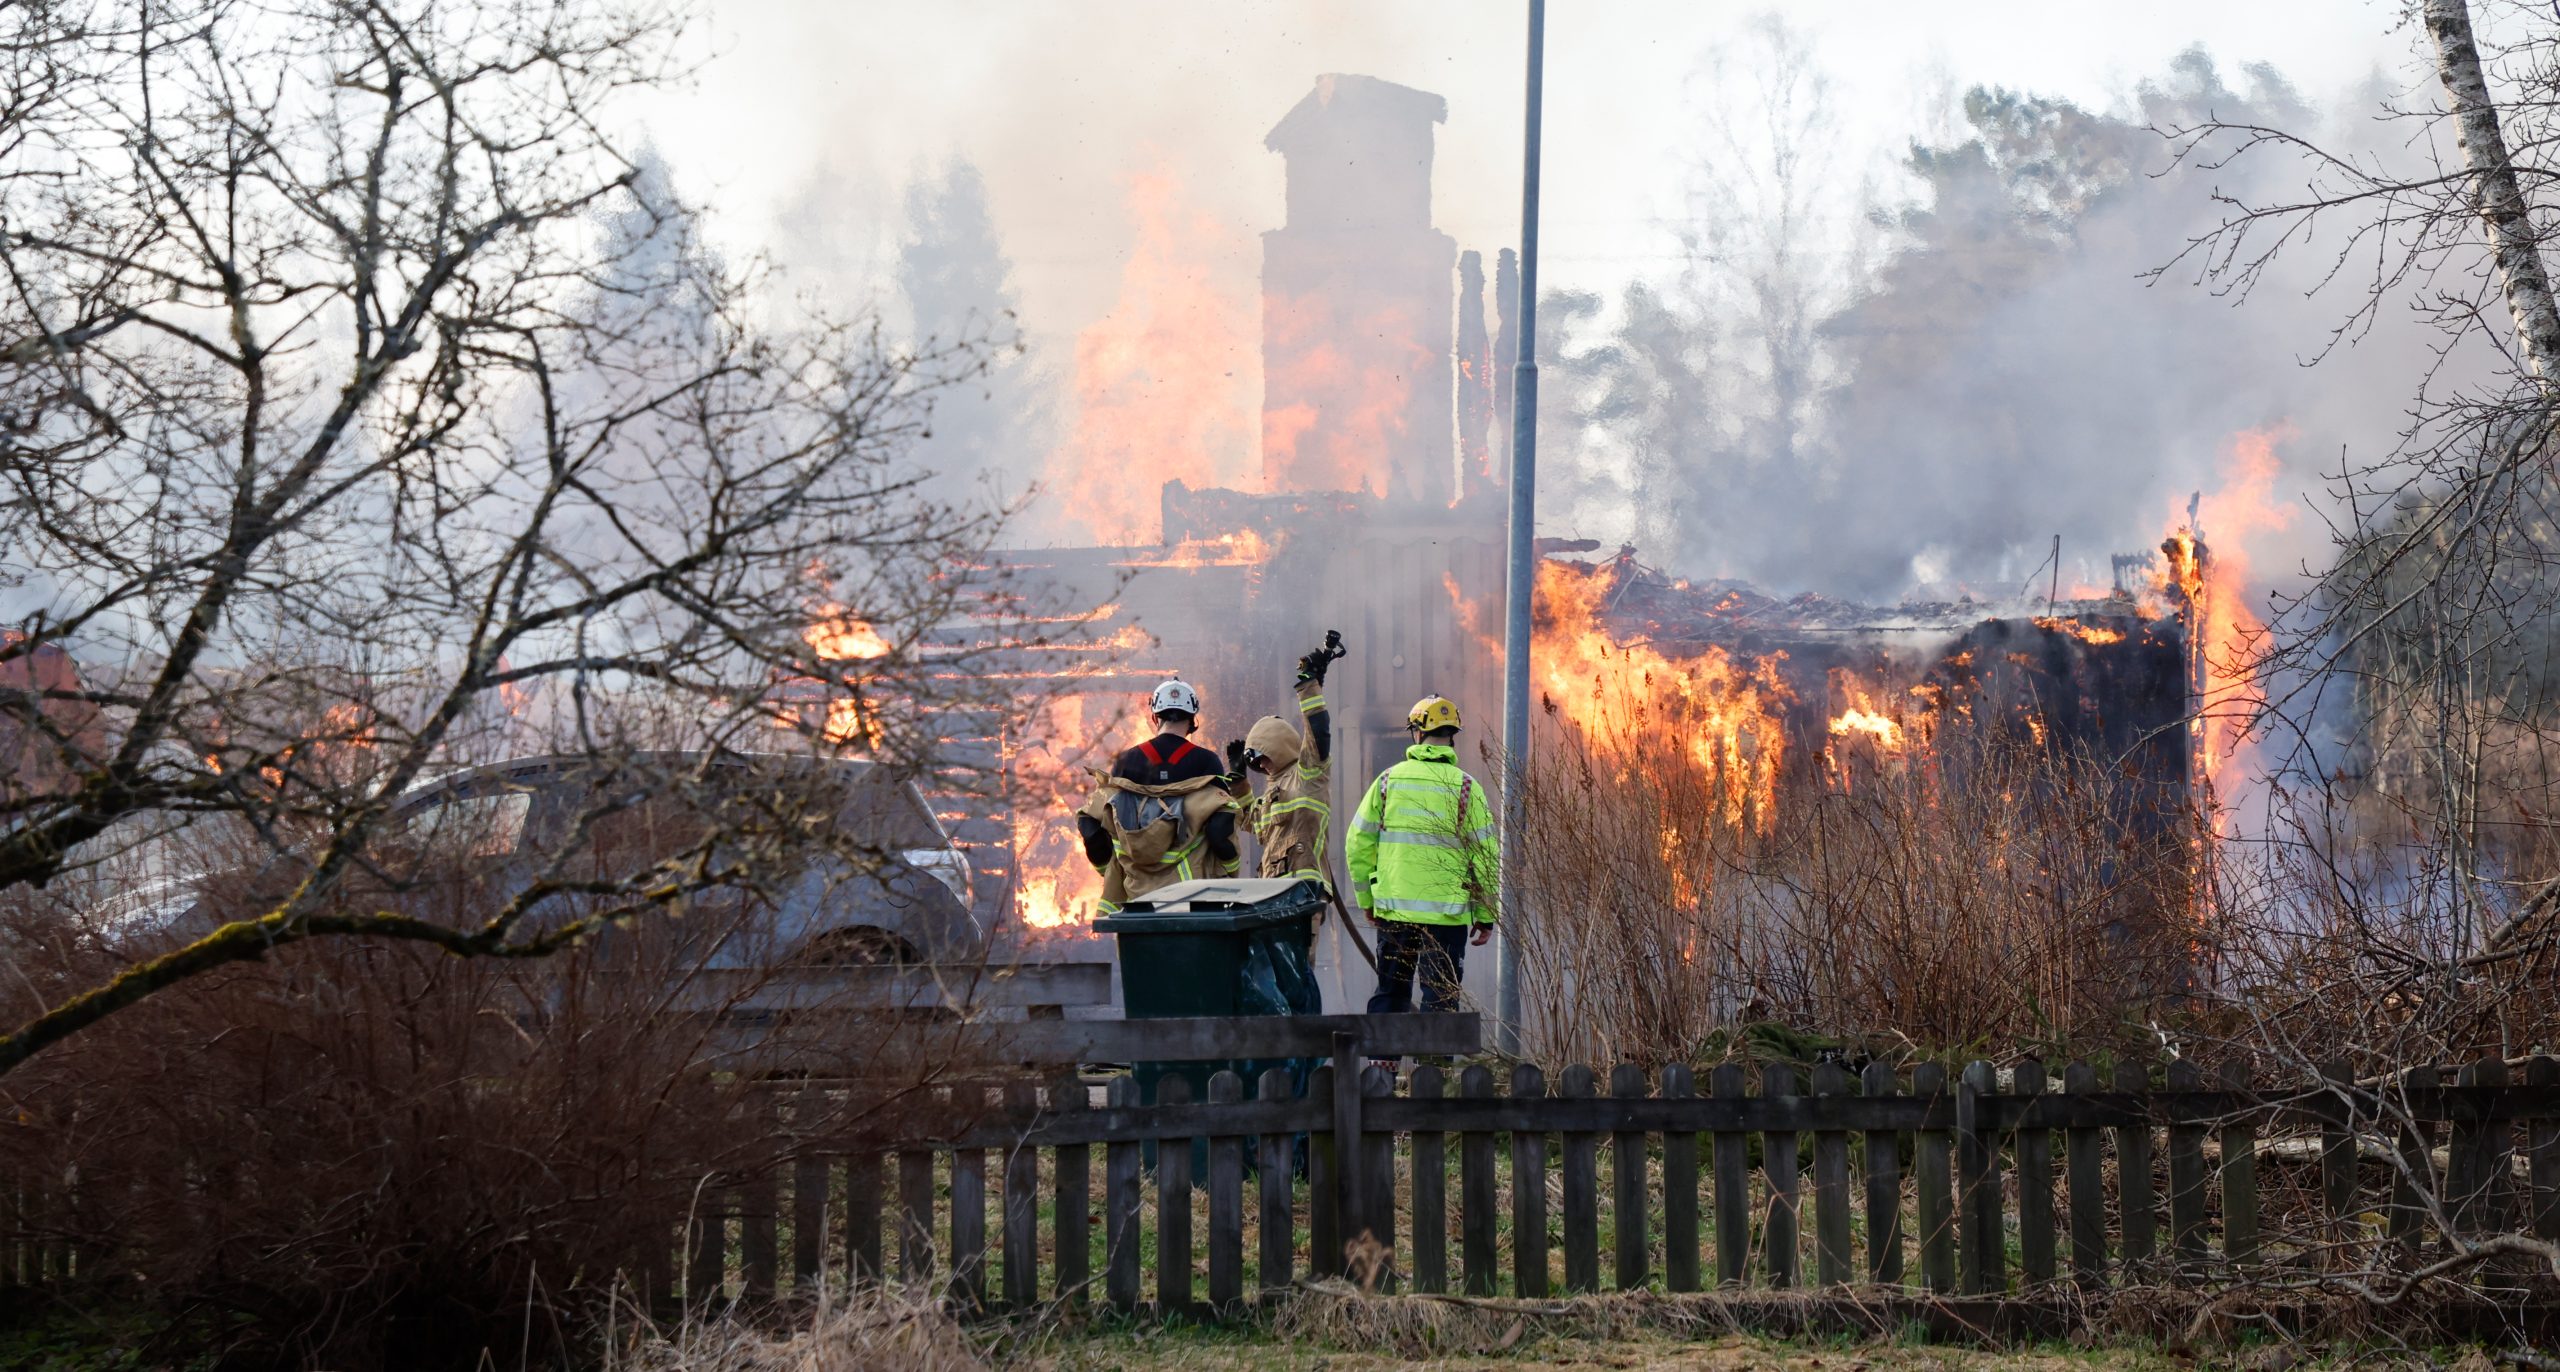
(1431, 714)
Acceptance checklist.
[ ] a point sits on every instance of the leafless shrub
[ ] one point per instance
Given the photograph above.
(1974, 890)
(374, 1155)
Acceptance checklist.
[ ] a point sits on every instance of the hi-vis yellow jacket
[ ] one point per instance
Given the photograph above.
(1422, 846)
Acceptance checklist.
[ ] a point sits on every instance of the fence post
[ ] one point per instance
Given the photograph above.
(1978, 1199)
(759, 1208)
(706, 1266)
(1936, 1189)
(2542, 1146)
(808, 1194)
(1226, 1203)
(1273, 1165)
(2084, 1165)
(1430, 1190)
(2134, 1189)
(1378, 1177)
(1581, 1191)
(1779, 1163)
(2338, 1158)
(1021, 1205)
(1350, 1083)
(1476, 1194)
(2186, 1174)
(862, 1189)
(2492, 1160)
(969, 1227)
(2414, 1179)
(1831, 1182)
(915, 1216)
(1679, 1189)
(1733, 1184)
(1120, 1203)
(2239, 1172)
(1528, 1192)
(1073, 1188)
(2034, 1146)
(1884, 1182)
(1324, 1186)
(1173, 1208)
(1627, 1182)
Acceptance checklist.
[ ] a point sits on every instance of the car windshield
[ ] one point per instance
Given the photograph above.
(480, 825)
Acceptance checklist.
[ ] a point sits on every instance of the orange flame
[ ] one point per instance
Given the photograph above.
(1627, 697)
(1853, 720)
(1243, 548)
(1349, 380)
(2209, 584)
(839, 636)
(1049, 761)
(2094, 634)
(1164, 383)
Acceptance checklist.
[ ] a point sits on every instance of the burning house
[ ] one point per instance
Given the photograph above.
(1381, 515)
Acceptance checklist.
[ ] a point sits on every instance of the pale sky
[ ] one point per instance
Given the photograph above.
(809, 116)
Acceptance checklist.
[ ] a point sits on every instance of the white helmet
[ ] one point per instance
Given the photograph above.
(1174, 697)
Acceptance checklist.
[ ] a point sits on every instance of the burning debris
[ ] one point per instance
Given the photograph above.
(1381, 381)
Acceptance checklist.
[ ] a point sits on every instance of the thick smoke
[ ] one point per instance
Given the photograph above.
(959, 290)
(2012, 370)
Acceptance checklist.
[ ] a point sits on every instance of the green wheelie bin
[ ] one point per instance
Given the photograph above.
(1216, 948)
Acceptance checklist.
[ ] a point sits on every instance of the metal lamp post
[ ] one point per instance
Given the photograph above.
(1521, 581)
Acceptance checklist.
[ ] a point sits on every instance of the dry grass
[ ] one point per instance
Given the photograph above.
(1984, 890)
(857, 1333)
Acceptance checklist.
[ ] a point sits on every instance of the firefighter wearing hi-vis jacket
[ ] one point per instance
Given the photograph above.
(1293, 816)
(1423, 864)
(1167, 810)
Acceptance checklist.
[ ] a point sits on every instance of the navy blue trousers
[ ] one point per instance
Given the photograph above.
(1434, 954)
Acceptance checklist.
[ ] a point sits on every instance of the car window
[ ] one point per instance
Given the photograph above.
(482, 825)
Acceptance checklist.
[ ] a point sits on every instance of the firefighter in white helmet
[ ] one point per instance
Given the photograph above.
(1166, 811)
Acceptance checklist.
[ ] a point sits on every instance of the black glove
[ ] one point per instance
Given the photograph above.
(1235, 757)
(1311, 667)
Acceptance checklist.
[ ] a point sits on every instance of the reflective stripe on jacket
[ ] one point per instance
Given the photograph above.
(1422, 846)
(1294, 814)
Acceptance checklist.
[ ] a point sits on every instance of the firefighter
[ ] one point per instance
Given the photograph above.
(1293, 816)
(1423, 864)
(1166, 812)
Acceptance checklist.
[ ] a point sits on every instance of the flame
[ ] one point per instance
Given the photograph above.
(2207, 581)
(1342, 390)
(1627, 698)
(1877, 721)
(1243, 548)
(838, 635)
(2094, 634)
(1164, 383)
(1047, 761)
(1885, 732)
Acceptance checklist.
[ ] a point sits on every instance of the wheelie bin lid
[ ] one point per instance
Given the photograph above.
(1216, 905)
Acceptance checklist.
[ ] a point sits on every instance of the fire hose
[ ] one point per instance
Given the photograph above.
(1350, 926)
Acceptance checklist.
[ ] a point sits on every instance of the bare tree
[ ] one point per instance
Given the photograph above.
(2432, 626)
(363, 412)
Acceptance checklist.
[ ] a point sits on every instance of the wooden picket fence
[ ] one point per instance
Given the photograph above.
(1992, 1185)
(1997, 1186)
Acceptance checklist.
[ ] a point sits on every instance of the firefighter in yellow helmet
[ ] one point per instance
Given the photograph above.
(1423, 864)
(1293, 817)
